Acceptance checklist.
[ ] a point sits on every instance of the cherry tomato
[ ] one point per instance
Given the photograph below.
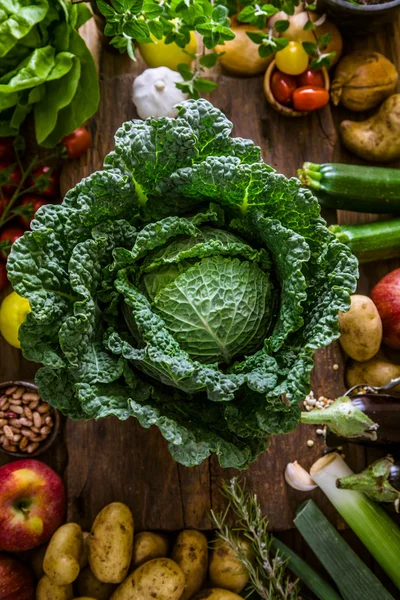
(282, 87)
(77, 142)
(6, 148)
(310, 98)
(35, 202)
(311, 78)
(14, 178)
(292, 59)
(50, 177)
(3, 276)
(11, 234)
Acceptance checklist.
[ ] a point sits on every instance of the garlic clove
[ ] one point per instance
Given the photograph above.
(298, 478)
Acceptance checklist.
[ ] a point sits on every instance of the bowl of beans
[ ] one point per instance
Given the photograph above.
(28, 424)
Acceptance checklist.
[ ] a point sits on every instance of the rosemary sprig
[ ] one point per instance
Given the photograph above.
(268, 577)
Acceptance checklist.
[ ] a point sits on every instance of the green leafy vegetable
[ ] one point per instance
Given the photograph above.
(45, 67)
(187, 285)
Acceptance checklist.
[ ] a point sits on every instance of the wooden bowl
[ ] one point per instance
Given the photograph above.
(287, 111)
(45, 445)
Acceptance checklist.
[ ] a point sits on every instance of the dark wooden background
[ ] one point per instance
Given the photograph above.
(112, 460)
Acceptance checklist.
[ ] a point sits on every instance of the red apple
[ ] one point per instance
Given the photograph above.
(16, 580)
(32, 504)
(386, 297)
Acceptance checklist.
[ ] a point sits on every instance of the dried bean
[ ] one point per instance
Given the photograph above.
(10, 390)
(17, 438)
(31, 396)
(43, 408)
(49, 421)
(15, 429)
(18, 393)
(33, 404)
(35, 429)
(3, 422)
(28, 413)
(8, 432)
(11, 415)
(2, 414)
(32, 447)
(27, 433)
(15, 423)
(23, 443)
(37, 438)
(17, 409)
(10, 448)
(25, 422)
(45, 430)
(37, 420)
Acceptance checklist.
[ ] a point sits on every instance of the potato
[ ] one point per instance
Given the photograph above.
(111, 543)
(88, 585)
(363, 79)
(84, 559)
(47, 590)
(226, 570)
(191, 554)
(377, 139)
(360, 329)
(160, 578)
(148, 545)
(217, 594)
(377, 371)
(61, 561)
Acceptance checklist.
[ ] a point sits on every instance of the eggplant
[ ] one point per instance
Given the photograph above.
(380, 481)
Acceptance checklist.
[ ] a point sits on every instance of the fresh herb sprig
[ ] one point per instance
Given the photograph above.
(268, 574)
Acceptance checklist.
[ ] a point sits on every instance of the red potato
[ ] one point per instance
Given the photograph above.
(386, 297)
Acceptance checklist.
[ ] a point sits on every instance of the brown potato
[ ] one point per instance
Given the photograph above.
(61, 561)
(160, 578)
(360, 329)
(363, 79)
(148, 545)
(225, 570)
(88, 585)
(378, 138)
(217, 594)
(47, 590)
(376, 372)
(191, 554)
(111, 543)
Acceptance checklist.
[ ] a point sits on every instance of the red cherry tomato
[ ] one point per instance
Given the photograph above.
(310, 98)
(3, 276)
(310, 78)
(282, 87)
(11, 234)
(45, 175)
(6, 148)
(14, 179)
(36, 202)
(77, 142)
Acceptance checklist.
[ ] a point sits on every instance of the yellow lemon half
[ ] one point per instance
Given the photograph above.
(13, 312)
(160, 54)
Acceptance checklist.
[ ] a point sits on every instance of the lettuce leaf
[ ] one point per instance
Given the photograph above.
(187, 285)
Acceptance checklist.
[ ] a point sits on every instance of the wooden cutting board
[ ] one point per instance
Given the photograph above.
(112, 460)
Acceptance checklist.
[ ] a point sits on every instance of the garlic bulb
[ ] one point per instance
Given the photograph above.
(155, 93)
(298, 478)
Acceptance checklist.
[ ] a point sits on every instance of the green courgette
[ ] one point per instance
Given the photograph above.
(353, 187)
(370, 241)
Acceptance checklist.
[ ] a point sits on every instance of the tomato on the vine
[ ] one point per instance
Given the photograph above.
(51, 178)
(3, 276)
(310, 78)
(13, 180)
(10, 234)
(6, 148)
(310, 98)
(282, 87)
(36, 202)
(77, 142)
(292, 59)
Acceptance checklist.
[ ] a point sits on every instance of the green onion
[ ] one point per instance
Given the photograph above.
(367, 519)
(353, 578)
(305, 573)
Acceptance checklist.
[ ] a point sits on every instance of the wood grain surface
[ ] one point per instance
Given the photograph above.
(113, 460)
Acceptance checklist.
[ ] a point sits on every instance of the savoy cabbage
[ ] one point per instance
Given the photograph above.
(187, 284)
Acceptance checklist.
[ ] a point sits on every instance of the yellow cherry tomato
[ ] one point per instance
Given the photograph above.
(292, 59)
(160, 54)
(13, 312)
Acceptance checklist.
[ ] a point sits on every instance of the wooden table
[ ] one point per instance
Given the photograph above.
(112, 460)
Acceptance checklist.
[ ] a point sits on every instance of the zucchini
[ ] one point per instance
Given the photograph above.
(353, 187)
(378, 240)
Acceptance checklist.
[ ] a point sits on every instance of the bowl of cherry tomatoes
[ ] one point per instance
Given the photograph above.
(291, 87)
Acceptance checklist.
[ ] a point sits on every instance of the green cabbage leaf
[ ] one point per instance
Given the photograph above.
(187, 285)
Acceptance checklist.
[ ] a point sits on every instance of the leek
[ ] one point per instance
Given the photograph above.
(367, 519)
(353, 578)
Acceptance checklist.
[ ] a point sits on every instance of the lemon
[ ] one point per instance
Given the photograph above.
(13, 312)
(160, 54)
